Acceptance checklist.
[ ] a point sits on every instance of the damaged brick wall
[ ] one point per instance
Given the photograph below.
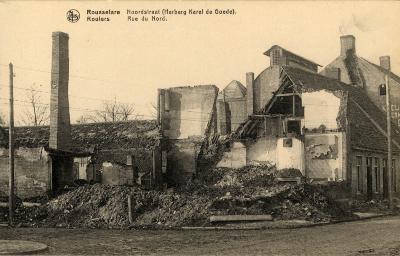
(237, 113)
(321, 108)
(265, 84)
(231, 107)
(188, 117)
(324, 156)
(141, 160)
(31, 172)
(187, 111)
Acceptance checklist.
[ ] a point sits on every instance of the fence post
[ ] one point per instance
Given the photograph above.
(130, 207)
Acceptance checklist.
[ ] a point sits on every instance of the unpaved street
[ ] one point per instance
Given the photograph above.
(379, 236)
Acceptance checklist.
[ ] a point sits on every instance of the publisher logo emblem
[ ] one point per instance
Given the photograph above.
(73, 15)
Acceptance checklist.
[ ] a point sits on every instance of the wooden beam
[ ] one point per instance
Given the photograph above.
(287, 94)
(255, 124)
(233, 218)
(294, 105)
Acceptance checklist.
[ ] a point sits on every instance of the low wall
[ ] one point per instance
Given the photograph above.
(114, 174)
(140, 159)
(31, 172)
(290, 154)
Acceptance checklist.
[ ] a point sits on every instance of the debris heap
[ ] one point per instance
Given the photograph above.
(250, 190)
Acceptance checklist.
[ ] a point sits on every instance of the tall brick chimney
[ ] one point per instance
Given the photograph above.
(250, 93)
(347, 44)
(385, 62)
(60, 128)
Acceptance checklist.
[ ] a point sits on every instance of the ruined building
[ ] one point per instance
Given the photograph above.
(186, 116)
(331, 126)
(48, 158)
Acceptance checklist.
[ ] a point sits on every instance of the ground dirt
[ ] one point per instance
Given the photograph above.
(369, 237)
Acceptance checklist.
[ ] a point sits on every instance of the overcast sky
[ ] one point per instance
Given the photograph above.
(129, 61)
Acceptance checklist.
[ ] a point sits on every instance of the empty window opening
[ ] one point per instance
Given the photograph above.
(369, 177)
(294, 127)
(288, 105)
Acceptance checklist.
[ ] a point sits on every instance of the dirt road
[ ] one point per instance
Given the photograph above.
(379, 236)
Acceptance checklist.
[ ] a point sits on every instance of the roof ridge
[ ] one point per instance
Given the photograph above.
(393, 75)
(317, 74)
(80, 124)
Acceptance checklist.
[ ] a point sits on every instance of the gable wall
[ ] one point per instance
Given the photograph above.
(375, 77)
(265, 84)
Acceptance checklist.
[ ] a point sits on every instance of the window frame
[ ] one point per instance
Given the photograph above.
(359, 173)
(377, 174)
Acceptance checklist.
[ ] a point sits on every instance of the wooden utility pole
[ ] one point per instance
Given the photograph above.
(11, 202)
(389, 139)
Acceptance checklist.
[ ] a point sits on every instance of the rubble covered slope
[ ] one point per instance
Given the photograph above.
(219, 191)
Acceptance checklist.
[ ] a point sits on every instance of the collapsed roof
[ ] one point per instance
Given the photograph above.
(367, 123)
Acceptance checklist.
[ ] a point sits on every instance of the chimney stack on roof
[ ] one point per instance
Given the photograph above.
(348, 45)
(60, 128)
(250, 93)
(384, 62)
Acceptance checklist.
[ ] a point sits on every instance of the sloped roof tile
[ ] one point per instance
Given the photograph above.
(107, 135)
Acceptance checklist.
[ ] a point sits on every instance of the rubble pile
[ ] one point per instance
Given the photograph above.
(375, 205)
(97, 205)
(173, 209)
(87, 206)
(254, 190)
(221, 191)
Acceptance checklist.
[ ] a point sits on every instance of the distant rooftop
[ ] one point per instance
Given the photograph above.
(289, 53)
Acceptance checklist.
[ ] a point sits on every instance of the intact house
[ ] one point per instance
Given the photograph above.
(362, 73)
(331, 126)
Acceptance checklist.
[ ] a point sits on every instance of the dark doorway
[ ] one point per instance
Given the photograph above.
(369, 178)
(62, 172)
(385, 179)
(55, 166)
